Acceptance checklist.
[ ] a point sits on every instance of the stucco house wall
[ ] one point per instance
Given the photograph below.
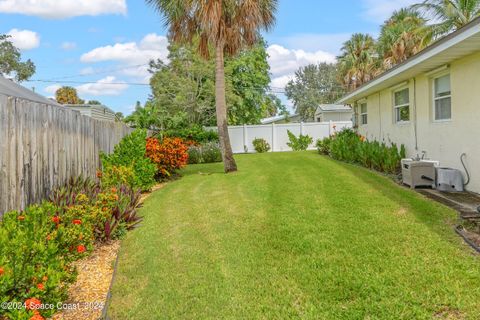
(441, 140)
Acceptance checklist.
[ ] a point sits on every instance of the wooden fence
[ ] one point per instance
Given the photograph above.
(42, 146)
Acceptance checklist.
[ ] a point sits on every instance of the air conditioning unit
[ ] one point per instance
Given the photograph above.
(419, 173)
(449, 180)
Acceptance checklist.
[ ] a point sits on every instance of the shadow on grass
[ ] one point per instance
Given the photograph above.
(435, 216)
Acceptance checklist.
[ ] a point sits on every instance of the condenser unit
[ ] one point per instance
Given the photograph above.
(419, 173)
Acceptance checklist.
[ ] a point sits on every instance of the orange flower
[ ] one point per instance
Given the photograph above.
(1, 271)
(33, 304)
(56, 219)
(37, 316)
(81, 249)
(21, 218)
(115, 197)
(77, 221)
(99, 174)
(40, 286)
(44, 278)
(49, 237)
(104, 209)
(113, 190)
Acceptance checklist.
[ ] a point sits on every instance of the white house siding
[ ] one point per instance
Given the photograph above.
(335, 116)
(443, 141)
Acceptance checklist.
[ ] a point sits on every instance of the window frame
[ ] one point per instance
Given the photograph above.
(435, 99)
(361, 114)
(395, 106)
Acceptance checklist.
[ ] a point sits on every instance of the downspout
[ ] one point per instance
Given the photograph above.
(380, 138)
(415, 112)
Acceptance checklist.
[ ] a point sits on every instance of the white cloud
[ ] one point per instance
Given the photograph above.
(284, 62)
(60, 9)
(315, 42)
(108, 86)
(380, 10)
(24, 39)
(138, 55)
(152, 46)
(68, 46)
(52, 89)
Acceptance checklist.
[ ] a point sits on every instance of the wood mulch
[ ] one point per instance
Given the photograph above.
(88, 295)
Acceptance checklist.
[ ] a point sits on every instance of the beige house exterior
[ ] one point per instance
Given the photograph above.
(430, 103)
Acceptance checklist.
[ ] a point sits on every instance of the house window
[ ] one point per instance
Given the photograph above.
(363, 114)
(401, 105)
(442, 98)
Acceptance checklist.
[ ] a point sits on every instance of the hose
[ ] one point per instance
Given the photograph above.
(465, 167)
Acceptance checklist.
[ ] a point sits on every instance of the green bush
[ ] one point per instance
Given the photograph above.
(348, 146)
(323, 146)
(207, 153)
(130, 152)
(194, 155)
(197, 134)
(116, 176)
(299, 144)
(261, 145)
(31, 260)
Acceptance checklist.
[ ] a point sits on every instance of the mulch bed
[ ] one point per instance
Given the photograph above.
(88, 295)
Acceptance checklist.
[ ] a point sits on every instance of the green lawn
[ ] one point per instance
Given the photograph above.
(294, 235)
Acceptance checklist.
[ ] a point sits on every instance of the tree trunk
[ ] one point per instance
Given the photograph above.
(221, 106)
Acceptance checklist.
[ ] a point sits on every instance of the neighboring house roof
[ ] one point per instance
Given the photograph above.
(456, 45)
(95, 111)
(278, 118)
(12, 89)
(333, 108)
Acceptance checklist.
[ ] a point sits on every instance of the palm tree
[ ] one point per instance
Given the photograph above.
(402, 36)
(358, 62)
(451, 14)
(226, 25)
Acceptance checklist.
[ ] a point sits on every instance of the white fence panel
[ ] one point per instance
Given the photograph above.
(276, 135)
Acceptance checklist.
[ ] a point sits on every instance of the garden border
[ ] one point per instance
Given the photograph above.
(459, 230)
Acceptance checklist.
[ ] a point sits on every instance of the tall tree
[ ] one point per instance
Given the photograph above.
(144, 117)
(358, 62)
(402, 36)
(450, 14)
(314, 85)
(186, 85)
(10, 61)
(228, 26)
(67, 95)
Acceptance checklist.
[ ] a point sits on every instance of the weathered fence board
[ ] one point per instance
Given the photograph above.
(42, 146)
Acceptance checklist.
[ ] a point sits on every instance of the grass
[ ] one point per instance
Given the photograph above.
(294, 235)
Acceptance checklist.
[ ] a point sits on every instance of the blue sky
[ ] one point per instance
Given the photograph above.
(109, 42)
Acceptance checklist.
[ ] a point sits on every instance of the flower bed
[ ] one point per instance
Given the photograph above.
(40, 247)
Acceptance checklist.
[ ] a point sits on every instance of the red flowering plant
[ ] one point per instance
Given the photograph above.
(32, 267)
(169, 154)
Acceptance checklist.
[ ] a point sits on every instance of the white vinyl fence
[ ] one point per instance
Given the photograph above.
(276, 135)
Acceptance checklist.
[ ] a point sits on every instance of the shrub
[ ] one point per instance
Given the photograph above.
(31, 261)
(299, 144)
(211, 152)
(196, 133)
(194, 154)
(116, 213)
(206, 153)
(130, 152)
(169, 155)
(116, 176)
(261, 145)
(323, 146)
(349, 146)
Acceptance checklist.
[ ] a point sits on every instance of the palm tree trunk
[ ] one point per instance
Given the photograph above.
(221, 106)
